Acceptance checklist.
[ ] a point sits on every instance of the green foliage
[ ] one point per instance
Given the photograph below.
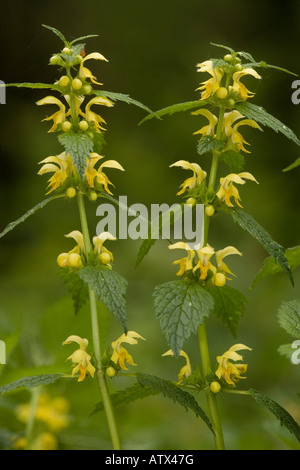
(30, 382)
(286, 350)
(293, 165)
(234, 160)
(250, 225)
(176, 108)
(289, 317)
(50, 86)
(280, 413)
(173, 392)
(259, 114)
(271, 267)
(76, 287)
(123, 97)
(79, 146)
(229, 305)
(181, 307)
(109, 287)
(57, 32)
(25, 216)
(208, 144)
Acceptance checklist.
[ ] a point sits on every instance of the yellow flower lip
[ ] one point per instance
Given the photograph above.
(80, 358)
(186, 370)
(198, 175)
(228, 371)
(120, 355)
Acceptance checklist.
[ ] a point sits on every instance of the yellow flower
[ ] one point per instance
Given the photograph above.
(227, 189)
(221, 254)
(80, 358)
(120, 354)
(239, 87)
(232, 132)
(211, 85)
(92, 116)
(185, 264)
(62, 167)
(209, 129)
(59, 116)
(198, 175)
(104, 254)
(228, 371)
(84, 72)
(204, 254)
(186, 370)
(92, 174)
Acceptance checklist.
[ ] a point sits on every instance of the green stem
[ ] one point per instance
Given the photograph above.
(35, 395)
(96, 336)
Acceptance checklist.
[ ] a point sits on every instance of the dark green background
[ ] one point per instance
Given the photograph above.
(152, 47)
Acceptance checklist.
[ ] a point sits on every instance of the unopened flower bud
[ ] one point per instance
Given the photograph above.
(66, 126)
(83, 125)
(228, 58)
(238, 67)
(105, 258)
(209, 210)
(64, 80)
(74, 260)
(222, 93)
(93, 196)
(76, 84)
(191, 201)
(219, 279)
(110, 371)
(86, 89)
(56, 60)
(71, 192)
(215, 387)
(62, 260)
(67, 50)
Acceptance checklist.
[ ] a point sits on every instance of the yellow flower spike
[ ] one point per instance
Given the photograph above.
(198, 175)
(120, 355)
(62, 167)
(209, 129)
(239, 87)
(209, 87)
(92, 116)
(186, 370)
(228, 371)
(185, 264)
(59, 116)
(80, 358)
(104, 254)
(204, 254)
(92, 174)
(227, 189)
(84, 72)
(221, 254)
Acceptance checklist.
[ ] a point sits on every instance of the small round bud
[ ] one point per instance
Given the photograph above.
(231, 102)
(228, 58)
(71, 192)
(56, 60)
(215, 387)
(66, 126)
(62, 260)
(191, 201)
(76, 84)
(67, 50)
(86, 89)
(222, 93)
(74, 260)
(219, 279)
(110, 371)
(64, 80)
(83, 125)
(93, 196)
(238, 67)
(209, 210)
(105, 258)
(91, 135)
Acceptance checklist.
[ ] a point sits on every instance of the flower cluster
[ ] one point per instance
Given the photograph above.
(80, 358)
(227, 371)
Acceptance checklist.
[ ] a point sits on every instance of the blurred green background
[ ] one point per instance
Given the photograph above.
(152, 47)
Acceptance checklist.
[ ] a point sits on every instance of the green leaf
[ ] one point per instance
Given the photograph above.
(263, 64)
(176, 108)
(50, 86)
(289, 317)
(84, 37)
(57, 32)
(229, 305)
(293, 165)
(223, 47)
(127, 395)
(109, 287)
(259, 114)
(286, 350)
(234, 160)
(248, 223)
(123, 97)
(22, 219)
(280, 413)
(208, 144)
(30, 382)
(173, 392)
(79, 146)
(76, 287)
(271, 267)
(181, 307)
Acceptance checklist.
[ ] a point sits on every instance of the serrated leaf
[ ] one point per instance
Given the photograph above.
(79, 146)
(264, 65)
(25, 216)
(248, 223)
(114, 96)
(181, 307)
(176, 108)
(289, 317)
(234, 160)
(173, 392)
(109, 287)
(50, 86)
(280, 413)
(76, 287)
(127, 395)
(229, 305)
(208, 144)
(223, 47)
(84, 37)
(57, 32)
(259, 114)
(271, 267)
(31, 382)
(293, 165)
